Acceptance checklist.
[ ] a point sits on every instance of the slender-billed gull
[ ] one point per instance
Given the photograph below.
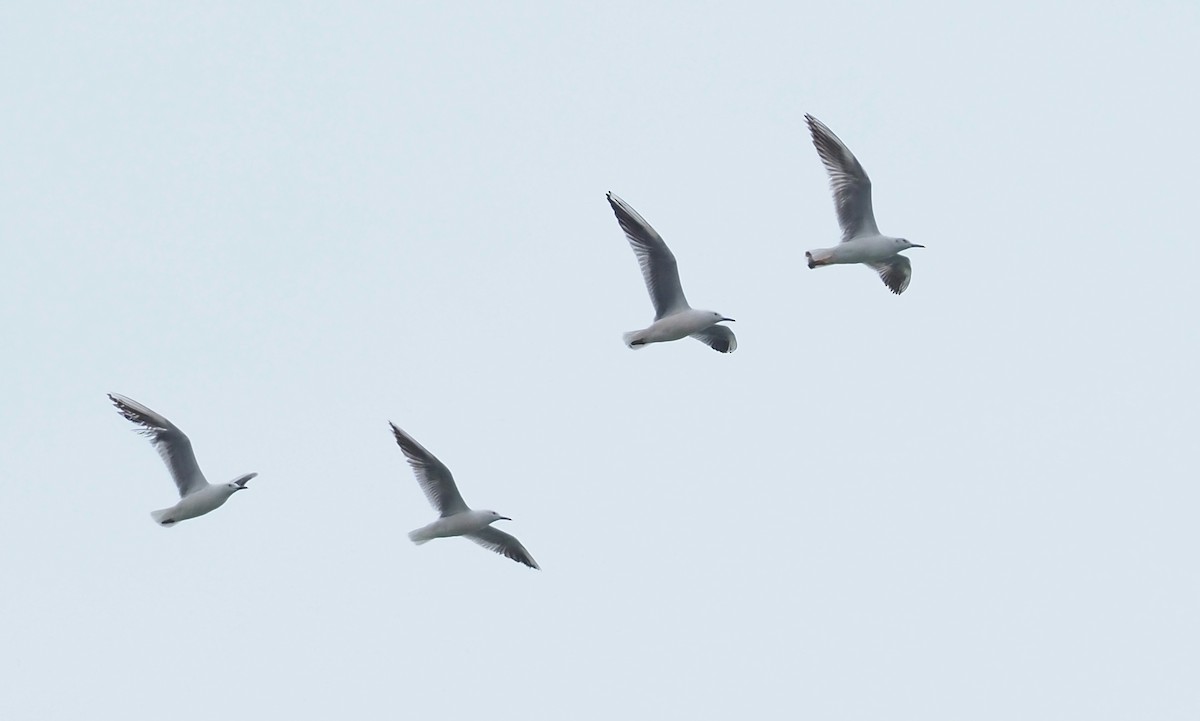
(673, 317)
(456, 517)
(861, 240)
(196, 495)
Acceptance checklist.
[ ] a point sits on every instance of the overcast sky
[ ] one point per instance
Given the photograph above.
(284, 224)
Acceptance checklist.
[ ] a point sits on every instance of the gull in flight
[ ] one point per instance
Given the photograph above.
(196, 495)
(861, 240)
(673, 317)
(455, 517)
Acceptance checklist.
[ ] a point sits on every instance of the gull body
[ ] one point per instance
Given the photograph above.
(861, 240)
(197, 495)
(673, 317)
(197, 503)
(676, 326)
(456, 518)
(459, 524)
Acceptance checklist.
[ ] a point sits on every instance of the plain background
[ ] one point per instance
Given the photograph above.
(283, 224)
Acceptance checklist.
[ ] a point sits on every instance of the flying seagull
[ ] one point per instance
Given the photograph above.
(673, 317)
(455, 517)
(861, 240)
(196, 495)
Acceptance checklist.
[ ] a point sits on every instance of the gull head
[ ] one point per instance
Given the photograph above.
(491, 517)
(717, 317)
(239, 484)
(902, 244)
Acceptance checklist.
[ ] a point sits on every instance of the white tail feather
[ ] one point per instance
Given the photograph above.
(162, 517)
(420, 536)
(818, 257)
(632, 339)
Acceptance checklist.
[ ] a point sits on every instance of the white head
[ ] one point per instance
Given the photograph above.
(902, 244)
(717, 317)
(491, 517)
(239, 484)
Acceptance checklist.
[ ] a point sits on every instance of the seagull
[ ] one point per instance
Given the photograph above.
(196, 495)
(673, 317)
(861, 240)
(456, 518)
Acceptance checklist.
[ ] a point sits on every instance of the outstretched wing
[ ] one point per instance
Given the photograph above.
(496, 540)
(895, 272)
(849, 182)
(171, 443)
(432, 475)
(659, 268)
(718, 337)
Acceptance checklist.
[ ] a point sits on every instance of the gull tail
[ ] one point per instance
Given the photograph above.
(419, 536)
(635, 339)
(163, 517)
(821, 256)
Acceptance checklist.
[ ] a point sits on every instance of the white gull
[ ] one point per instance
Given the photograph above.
(673, 317)
(861, 240)
(196, 495)
(456, 517)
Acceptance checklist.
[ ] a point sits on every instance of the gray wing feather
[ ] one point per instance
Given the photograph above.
(718, 337)
(432, 475)
(895, 272)
(849, 182)
(168, 440)
(496, 540)
(659, 269)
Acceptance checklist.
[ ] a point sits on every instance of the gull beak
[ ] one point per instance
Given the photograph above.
(914, 245)
(505, 518)
(731, 320)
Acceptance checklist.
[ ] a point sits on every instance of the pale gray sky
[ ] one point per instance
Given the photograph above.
(284, 224)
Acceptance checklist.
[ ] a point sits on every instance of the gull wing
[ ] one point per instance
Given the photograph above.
(849, 182)
(432, 475)
(168, 440)
(718, 337)
(896, 272)
(493, 539)
(659, 268)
